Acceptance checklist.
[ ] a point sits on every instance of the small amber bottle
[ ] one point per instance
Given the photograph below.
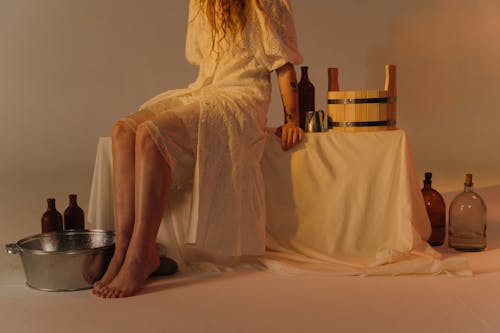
(436, 210)
(306, 96)
(73, 215)
(51, 220)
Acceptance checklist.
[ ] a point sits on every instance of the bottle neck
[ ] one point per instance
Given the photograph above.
(333, 80)
(304, 73)
(467, 188)
(427, 185)
(72, 200)
(51, 204)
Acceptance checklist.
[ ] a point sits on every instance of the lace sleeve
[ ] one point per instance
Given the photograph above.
(193, 53)
(278, 36)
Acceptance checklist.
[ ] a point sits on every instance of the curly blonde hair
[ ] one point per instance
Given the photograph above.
(227, 18)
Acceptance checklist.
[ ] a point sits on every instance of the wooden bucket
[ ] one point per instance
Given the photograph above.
(362, 110)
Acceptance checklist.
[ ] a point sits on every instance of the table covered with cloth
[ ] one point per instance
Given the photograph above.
(338, 203)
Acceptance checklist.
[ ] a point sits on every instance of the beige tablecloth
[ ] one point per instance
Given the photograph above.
(339, 203)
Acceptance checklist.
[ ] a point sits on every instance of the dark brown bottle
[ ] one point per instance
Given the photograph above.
(73, 215)
(306, 96)
(436, 210)
(52, 220)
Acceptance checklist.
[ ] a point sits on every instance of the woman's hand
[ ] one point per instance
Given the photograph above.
(290, 135)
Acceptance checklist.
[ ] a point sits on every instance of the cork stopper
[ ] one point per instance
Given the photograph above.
(468, 179)
(333, 79)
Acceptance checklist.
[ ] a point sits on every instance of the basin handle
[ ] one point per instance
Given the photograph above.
(12, 248)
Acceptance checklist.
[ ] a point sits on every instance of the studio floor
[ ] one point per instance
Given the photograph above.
(245, 301)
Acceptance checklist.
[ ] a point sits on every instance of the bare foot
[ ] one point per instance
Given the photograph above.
(131, 277)
(114, 266)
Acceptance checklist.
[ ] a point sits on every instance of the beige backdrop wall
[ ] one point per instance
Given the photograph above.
(69, 68)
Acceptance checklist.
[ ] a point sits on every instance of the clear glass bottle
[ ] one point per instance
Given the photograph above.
(52, 220)
(73, 215)
(306, 96)
(467, 220)
(436, 210)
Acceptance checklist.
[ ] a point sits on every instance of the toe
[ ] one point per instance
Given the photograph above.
(104, 292)
(99, 287)
(97, 292)
(110, 293)
(115, 293)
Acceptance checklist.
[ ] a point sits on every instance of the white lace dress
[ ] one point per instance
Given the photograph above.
(212, 133)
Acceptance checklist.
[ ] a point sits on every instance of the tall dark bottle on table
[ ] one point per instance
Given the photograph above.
(306, 95)
(73, 215)
(436, 210)
(52, 220)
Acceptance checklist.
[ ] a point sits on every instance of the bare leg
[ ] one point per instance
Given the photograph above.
(152, 176)
(123, 147)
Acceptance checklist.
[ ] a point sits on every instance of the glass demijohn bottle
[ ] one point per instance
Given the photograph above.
(73, 215)
(436, 210)
(306, 96)
(52, 220)
(467, 221)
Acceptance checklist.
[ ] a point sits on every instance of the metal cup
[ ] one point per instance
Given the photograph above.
(314, 121)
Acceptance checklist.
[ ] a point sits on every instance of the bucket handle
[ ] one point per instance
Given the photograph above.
(13, 248)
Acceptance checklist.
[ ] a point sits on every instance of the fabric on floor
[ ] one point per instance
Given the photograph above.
(376, 231)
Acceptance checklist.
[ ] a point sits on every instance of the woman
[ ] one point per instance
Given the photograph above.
(209, 136)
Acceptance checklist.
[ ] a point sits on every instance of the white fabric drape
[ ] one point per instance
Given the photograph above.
(339, 203)
(227, 215)
(348, 203)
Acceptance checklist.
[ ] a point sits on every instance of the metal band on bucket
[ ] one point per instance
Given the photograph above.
(332, 124)
(362, 100)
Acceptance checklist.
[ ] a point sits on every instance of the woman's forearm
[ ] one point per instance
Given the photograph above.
(290, 132)
(287, 80)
